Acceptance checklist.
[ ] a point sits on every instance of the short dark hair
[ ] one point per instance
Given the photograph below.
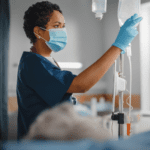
(38, 14)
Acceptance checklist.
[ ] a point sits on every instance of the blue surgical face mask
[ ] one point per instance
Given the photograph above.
(58, 39)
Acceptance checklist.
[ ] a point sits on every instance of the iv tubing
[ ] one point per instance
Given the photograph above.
(114, 86)
(129, 57)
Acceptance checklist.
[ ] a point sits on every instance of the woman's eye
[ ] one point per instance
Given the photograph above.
(58, 25)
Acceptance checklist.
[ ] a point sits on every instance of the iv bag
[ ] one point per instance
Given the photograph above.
(126, 9)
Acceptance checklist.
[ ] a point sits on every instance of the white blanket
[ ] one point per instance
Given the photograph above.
(62, 122)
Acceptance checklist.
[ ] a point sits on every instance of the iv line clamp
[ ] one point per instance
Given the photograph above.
(119, 117)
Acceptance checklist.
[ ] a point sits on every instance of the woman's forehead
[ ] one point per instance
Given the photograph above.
(57, 16)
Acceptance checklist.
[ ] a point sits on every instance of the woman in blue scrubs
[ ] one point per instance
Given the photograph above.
(41, 84)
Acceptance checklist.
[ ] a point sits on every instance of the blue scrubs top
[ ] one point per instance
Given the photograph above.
(40, 85)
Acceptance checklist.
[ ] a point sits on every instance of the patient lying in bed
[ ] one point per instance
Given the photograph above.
(63, 123)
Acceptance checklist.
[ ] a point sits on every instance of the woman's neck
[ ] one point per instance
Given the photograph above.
(33, 49)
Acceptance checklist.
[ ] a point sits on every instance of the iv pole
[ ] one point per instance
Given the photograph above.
(120, 115)
(121, 125)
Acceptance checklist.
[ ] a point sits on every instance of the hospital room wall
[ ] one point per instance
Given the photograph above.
(85, 37)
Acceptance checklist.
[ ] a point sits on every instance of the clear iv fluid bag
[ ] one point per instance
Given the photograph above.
(99, 7)
(128, 8)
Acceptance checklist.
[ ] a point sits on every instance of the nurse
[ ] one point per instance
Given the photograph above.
(41, 84)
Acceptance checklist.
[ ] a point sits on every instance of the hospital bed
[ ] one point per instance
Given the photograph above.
(140, 140)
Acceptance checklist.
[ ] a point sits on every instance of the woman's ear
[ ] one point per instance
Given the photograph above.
(36, 32)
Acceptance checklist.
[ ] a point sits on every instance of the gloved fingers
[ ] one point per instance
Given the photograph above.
(134, 16)
(134, 22)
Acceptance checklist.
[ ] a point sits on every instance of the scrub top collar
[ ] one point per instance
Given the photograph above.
(50, 57)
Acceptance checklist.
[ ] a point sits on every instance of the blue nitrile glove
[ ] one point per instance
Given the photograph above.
(127, 33)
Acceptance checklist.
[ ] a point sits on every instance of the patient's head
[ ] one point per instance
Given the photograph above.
(62, 122)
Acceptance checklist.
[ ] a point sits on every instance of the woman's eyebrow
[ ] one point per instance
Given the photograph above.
(58, 22)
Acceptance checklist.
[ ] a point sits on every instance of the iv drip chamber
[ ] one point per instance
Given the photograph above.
(99, 7)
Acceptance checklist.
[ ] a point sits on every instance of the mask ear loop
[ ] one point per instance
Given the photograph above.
(43, 28)
(40, 37)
